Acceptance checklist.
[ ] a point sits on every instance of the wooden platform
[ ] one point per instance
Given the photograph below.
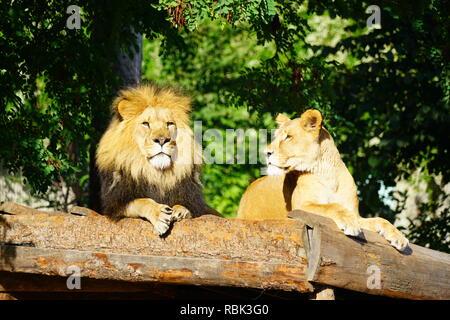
(290, 258)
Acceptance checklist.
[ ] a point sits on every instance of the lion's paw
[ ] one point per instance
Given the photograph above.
(180, 213)
(349, 225)
(397, 240)
(162, 223)
(394, 236)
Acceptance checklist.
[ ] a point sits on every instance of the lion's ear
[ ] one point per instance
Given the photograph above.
(126, 109)
(311, 120)
(281, 119)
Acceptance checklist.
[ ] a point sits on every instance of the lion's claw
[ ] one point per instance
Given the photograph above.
(164, 218)
(166, 210)
(180, 213)
(392, 235)
(398, 241)
(167, 215)
(162, 225)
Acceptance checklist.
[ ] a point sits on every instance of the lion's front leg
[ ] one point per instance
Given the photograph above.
(180, 213)
(345, 220)
(160, 215)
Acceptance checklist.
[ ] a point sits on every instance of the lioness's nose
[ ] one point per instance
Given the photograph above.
(161, 140)
(269, 153)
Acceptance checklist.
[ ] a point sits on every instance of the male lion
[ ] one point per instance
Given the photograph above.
(148, 160)
(306, 172)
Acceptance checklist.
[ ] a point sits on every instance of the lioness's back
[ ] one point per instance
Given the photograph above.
(273, 190)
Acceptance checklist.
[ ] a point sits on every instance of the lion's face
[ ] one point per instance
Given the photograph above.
(156, 135)
(149, 138)
(296, 143)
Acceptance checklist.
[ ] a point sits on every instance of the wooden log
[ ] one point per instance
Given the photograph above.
(337, 260)
(7, 207)
(204, 251)
(82, 211)
(138, 268)
(19, 285)
(295, 254)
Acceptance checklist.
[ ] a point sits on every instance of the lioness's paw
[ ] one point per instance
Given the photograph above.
(180, 213)
(350, 226)
(394, 236)
(162, 224)
(397, 240)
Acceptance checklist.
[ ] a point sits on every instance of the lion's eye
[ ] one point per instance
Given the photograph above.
(288, 137)
(146, 124)
(170, 123)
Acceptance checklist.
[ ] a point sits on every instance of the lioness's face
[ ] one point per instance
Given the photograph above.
(156, 133)
(296, 143)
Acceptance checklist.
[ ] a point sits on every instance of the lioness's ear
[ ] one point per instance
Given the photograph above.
(281, 119)
(126, 109)
(311, 120)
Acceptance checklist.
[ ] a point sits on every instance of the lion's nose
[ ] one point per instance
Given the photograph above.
(269, 153)
(161, 140)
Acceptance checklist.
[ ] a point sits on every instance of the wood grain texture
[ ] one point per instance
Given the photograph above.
(298, 254)
(138, 268)
(204, 251)
(347, 262)
(37, 286)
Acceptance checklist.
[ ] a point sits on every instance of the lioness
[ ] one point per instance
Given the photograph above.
(306, 172)
(148, 160)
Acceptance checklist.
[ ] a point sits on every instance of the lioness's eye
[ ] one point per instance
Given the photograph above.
(146, 124)
(170, 123)
(288, 137)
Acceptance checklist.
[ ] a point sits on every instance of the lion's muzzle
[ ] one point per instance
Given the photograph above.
(161, 161)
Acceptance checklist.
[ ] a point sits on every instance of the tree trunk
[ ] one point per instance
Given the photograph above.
(126, 66)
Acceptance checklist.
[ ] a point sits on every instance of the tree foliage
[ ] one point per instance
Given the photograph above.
(384, 92)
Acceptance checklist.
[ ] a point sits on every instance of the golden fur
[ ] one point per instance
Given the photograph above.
(306, 172)
(148, 160)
